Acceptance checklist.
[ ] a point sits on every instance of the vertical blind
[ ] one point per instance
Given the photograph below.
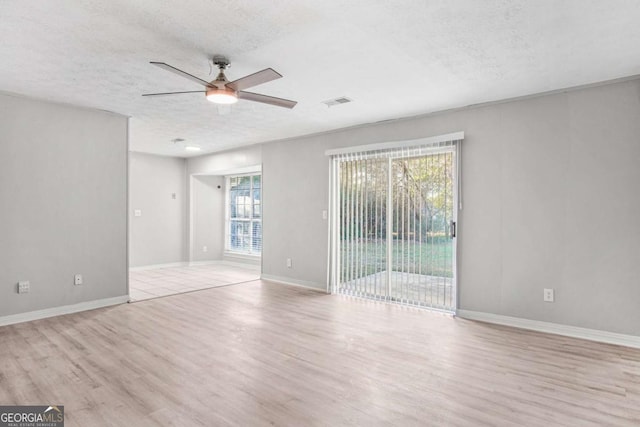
(393, 213)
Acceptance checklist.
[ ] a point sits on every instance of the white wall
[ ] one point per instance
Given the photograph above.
(159, 236)
(63, 187)
(550, 200)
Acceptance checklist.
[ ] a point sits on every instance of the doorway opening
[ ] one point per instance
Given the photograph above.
(190, 232)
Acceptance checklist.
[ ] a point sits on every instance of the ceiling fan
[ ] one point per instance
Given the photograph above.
(222, 91)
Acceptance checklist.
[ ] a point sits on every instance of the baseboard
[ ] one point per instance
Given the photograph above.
(293, 282)
(553, 328)
(65, 309)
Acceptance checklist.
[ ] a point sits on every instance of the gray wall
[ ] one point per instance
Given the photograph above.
(159, 236)
(207, 216)
(550, 200)
(63, 188)
(296, 191)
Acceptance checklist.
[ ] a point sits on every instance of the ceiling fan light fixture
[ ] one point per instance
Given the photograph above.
(222, 96)
(223, 92)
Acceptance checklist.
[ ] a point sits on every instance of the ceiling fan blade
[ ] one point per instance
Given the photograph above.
(172, 93)
(265, 99)
(255, 79)
(180, 73)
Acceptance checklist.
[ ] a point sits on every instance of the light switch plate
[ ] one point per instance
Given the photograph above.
(137, 212)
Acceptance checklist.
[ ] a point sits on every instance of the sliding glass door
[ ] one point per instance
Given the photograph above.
(422, 239)
(395, 226)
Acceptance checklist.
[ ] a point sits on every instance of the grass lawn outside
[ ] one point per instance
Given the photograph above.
(433, 257)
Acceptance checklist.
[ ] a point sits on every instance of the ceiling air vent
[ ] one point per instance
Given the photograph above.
(337, 101)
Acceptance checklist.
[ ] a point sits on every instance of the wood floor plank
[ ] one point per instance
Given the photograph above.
(263, 354)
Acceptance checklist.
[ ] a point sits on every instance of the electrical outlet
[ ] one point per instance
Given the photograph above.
(324, 214)
(24, 287)
(77, 279)
(289, 263)
(137, 212)
(205, 249)
(548, 295)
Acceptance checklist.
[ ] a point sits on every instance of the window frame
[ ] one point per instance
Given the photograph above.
(250, 220)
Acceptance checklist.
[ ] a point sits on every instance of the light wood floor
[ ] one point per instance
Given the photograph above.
(259, 354)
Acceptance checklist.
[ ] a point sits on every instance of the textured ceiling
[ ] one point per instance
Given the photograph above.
(393, 58)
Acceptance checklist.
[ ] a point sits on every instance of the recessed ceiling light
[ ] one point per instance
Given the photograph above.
(192, 148)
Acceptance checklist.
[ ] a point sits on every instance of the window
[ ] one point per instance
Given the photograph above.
(244, 214)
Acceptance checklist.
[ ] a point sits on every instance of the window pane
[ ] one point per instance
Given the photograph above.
(233, 183)
(256, 181)
(239, 236)
(256, 246)
(233, 203)
(244, 182)
(240, 203)
(256, 211)
(256, 195)
(244, 210)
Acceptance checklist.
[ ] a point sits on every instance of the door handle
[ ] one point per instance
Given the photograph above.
(453, 229)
